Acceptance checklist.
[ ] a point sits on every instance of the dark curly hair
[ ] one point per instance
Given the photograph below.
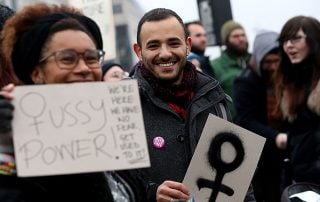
(40, 21)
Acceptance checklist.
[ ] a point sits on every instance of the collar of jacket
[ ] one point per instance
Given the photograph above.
(313, 103)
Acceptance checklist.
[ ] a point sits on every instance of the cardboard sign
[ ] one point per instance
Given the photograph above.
(101, 12)
(224, 162)
(81, 127)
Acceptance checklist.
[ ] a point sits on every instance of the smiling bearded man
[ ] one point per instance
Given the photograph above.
(176, 100)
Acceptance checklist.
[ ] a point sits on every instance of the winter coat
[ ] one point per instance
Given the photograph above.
(181, 136)
(77, 187)
(304, 139)
(250, 101)
(226, 69)
(63, 188)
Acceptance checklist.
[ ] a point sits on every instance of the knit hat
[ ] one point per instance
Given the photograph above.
(227, 28)
(264, 42)
(5, 13)
(107, 66)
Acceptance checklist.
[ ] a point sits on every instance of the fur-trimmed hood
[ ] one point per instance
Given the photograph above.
(264, 42)
(314, 100)
(313, 103)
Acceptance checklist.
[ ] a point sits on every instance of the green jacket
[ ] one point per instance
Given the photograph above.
(227, 67)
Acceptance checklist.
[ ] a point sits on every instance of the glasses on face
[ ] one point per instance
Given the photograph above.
(68, 59)
(294, 40)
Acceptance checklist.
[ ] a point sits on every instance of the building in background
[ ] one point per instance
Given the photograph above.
(10, 3)
(127, 14)
(125, 17)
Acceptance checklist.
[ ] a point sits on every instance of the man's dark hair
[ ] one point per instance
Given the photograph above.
(196, 22)
(158, 14)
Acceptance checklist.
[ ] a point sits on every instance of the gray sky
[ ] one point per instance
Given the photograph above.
(254, 15)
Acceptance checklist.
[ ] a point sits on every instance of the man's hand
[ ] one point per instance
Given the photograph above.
(170, 190)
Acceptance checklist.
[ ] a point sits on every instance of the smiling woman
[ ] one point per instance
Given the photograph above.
(49, 44)
(59, 31)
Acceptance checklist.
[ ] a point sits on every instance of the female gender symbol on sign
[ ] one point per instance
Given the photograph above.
(216, 161)
(33, 99)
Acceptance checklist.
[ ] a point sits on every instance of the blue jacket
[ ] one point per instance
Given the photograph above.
(204, 63)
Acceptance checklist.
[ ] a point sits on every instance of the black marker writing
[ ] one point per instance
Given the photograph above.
(216, 161)
(73, 150)
(69, 114)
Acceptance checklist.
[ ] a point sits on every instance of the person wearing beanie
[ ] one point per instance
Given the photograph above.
(112, 71)
(233, 59)
(227, 28)
(254, 100)
(57, 44)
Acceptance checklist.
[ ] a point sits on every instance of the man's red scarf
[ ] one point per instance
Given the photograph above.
(179, 96)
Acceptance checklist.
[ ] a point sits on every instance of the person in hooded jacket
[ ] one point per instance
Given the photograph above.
(254, 100)
(233, 59)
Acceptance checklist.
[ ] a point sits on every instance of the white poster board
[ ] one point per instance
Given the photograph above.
(98, 10)
(81, 127)
(101, 12)
(233, 152)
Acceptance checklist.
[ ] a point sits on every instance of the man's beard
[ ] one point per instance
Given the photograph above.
(197, 50)
(161, 80)
(236, 50)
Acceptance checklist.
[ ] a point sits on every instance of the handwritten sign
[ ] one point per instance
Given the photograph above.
(224, 162)
(82, 127)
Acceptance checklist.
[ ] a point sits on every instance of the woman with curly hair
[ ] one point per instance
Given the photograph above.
(48, 44)
(298, 94)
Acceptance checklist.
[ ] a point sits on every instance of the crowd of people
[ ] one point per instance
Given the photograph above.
(273, 91)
